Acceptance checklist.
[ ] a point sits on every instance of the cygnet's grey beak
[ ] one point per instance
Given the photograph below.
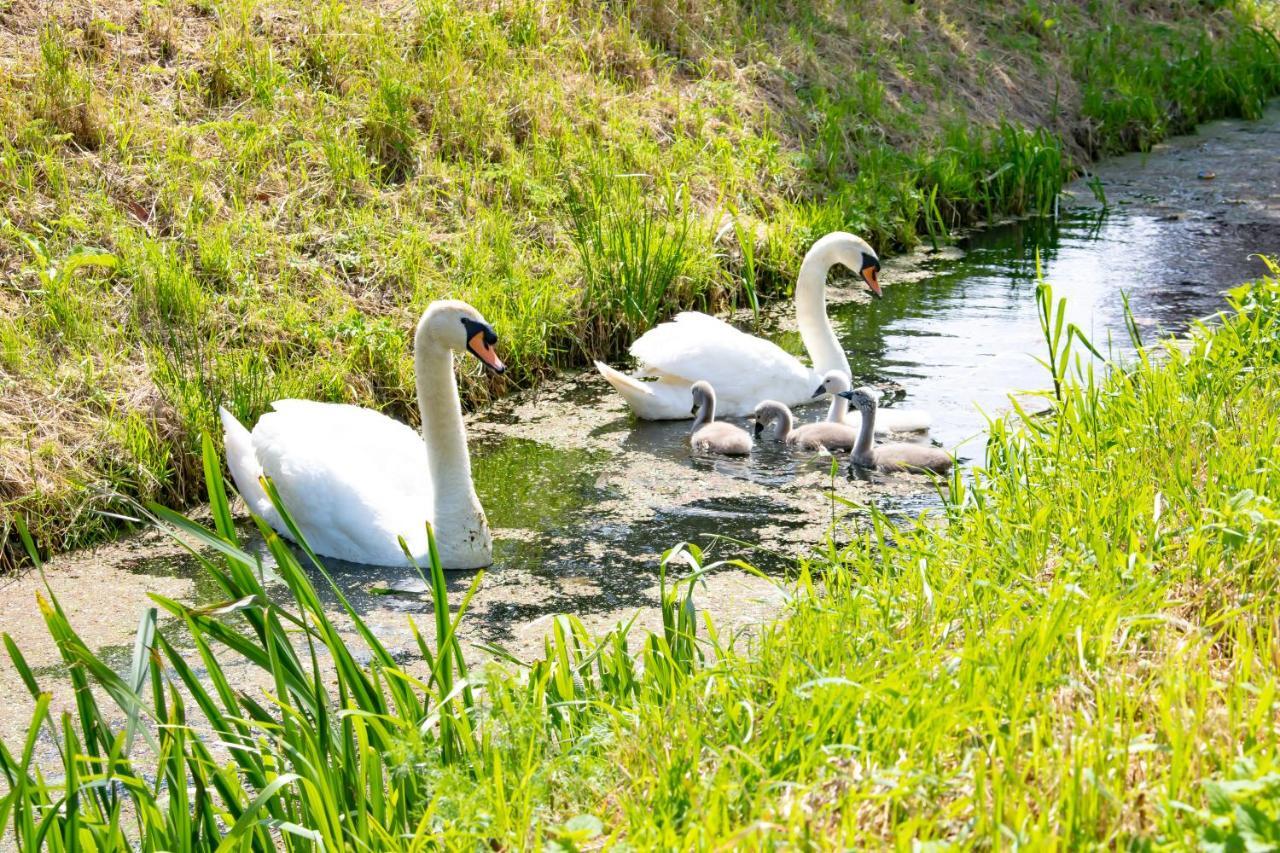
(759, 428)
(821, 390)
(848, 395)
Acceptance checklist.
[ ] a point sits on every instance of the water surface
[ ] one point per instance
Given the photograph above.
(583, 499)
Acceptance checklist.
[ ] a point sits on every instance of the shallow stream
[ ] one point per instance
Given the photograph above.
(583, 499)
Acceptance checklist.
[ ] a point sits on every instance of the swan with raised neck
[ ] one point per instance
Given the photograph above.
(461, 528)
(355, 481)
(811, 296)
(743, 368)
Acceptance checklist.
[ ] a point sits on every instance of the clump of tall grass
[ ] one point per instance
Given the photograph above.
(342, 749)
(64, 92)
(987, 174)
(1136, 94)
(388, 132)
(635, 254)
(69, 315)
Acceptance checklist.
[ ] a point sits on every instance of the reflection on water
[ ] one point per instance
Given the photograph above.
(960, 339)
(579, 525)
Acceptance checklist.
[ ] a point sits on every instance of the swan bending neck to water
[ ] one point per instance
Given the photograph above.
(744, 369)
(899, 456)
(832, 436)
(707, 435)
(354, 480)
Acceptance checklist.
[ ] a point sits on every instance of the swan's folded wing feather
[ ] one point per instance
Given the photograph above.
(345, 471)
(742, 368)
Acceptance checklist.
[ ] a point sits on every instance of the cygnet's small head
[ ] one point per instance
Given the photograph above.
(764, 414)
(702, 393)
(833, 382)
(461, 328)
(864, 398)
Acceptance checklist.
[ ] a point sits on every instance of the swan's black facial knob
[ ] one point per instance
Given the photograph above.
(870, 274)
(480, 340)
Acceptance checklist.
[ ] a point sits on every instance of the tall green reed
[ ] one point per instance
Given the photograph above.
(335, 752)
(633, 249)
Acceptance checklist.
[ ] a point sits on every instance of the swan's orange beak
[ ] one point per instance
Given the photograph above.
(483, 350)
(869, 273)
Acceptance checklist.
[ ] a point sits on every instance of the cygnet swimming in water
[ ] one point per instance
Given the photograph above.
(889, 421)
(894, 457)
(709, 435)
(832, 436)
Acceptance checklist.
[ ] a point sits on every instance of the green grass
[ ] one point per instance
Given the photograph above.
(1081, 652)
(283, 186)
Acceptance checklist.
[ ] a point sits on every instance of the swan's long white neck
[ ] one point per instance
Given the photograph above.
(453, 492)
(811, 307)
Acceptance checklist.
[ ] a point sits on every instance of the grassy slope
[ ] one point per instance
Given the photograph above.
(282, 186)
(1085, 654)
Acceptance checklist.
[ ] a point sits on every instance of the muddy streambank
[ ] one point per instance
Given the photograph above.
(583, 499)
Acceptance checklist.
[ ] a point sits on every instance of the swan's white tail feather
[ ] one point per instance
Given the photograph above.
(639, 395)
(663, 398)
(243, 462)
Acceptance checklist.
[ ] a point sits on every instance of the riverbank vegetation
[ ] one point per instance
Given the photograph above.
(270, 191)
(1082, 654)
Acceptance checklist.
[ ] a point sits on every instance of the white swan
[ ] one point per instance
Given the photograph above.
(745, 369)
(354, 480)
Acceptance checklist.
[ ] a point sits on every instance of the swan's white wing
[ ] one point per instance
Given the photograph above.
(352, 479)
(742, 368)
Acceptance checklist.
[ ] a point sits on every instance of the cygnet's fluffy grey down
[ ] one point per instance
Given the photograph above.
(832, 436)
(898, 456)
(833, 382)
(709, 435)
